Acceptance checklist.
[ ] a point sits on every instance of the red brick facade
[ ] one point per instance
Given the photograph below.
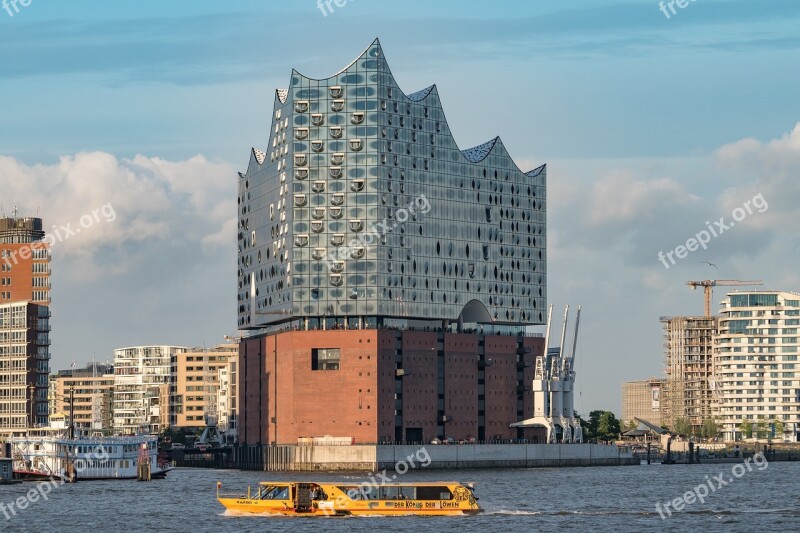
(391, 385)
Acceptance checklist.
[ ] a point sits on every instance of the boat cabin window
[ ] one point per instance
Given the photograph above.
(381, 492)
(398, 493)
(434, 493)
(389, 493)
(274, 492)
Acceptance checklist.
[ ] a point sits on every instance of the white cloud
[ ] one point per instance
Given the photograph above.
(151, 199)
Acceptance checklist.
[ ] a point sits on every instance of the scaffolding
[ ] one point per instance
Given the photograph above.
(688, 359)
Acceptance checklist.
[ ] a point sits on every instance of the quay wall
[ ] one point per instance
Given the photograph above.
(372, 458)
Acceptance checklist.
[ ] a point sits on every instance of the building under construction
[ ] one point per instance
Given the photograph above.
(688, 358)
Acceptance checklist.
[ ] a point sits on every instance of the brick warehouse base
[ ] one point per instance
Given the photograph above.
(388, 386)
(374, 458)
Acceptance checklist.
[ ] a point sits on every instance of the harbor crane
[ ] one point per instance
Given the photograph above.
(708, 288)
(554, 385)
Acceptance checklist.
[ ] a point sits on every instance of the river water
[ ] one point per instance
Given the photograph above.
(765, 498)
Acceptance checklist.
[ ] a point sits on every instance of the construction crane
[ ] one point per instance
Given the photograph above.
(709, 284)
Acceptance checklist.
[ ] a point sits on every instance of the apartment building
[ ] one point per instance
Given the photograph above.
(756, 371)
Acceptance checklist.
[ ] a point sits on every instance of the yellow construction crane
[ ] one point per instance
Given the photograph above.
(709, 284)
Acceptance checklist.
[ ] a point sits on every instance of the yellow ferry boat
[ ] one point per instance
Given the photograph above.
(344, 499)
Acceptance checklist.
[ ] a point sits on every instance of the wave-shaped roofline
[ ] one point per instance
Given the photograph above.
(473, 155)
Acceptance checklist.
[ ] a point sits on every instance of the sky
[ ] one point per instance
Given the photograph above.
(136, 116)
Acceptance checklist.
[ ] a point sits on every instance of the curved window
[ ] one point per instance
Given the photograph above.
(317, 146)
(337, 239)
(301, 240)
(319, 253)
(337, 266)
(357, 118)
(336, 132)
(356, 225)
(336, 212)
(299, 200)
(300, 160)
(337, 199)
(356, 145)
(317, 119)
(337, 105)
(301, 133)
(337, 158)
(336, 91)
(357, 253)
(318, 213)
(301, 106)
(301, 173)
(336, 172)
(336, 279)
(317, 226)
(318, 186)
(357, 185)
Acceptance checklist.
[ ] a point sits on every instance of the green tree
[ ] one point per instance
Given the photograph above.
(762, 429)
(683, 427)
(602, 425)
(709, 429)
(590, 429)
(608, 426)
(780, 427)
(746, 428)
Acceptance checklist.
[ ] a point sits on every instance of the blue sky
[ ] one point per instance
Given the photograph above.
(155, 105)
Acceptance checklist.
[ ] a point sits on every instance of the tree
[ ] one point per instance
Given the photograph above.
(709, 429)
(590, 429)
(746, 427)
(602, 425)
(762, 429)
(607, 426)
(779, 427)
(683, 427)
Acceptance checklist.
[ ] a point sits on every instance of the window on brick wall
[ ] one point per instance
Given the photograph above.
(325, 358)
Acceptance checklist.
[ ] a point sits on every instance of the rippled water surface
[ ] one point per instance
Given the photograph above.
(557, 499)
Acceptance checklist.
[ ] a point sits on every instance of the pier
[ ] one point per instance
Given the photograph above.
(373, 458)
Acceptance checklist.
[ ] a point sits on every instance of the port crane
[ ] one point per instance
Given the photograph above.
(708, 288)
(553, 387)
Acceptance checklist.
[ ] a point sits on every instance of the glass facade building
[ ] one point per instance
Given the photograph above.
(364, 210)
